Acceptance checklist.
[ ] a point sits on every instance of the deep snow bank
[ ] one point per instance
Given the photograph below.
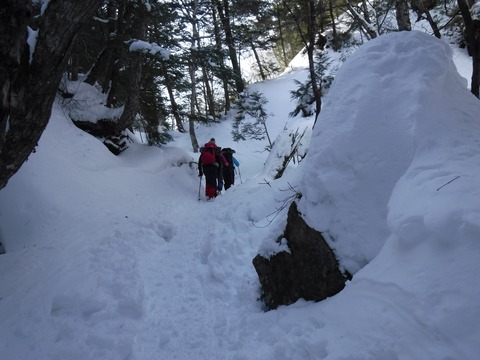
(392, 178)
(389, 114)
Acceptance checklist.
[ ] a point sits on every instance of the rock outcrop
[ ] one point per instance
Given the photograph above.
(309, 271)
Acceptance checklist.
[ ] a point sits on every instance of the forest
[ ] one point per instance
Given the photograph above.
(171, 64)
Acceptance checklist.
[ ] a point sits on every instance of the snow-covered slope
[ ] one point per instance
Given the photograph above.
(115, 258)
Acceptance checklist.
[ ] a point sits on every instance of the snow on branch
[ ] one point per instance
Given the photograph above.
(148, 48)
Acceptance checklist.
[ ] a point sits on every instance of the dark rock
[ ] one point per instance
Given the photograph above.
(99, 129)
(310, 271)
(116, 141)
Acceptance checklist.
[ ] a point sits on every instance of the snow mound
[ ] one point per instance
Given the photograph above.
(398, 119)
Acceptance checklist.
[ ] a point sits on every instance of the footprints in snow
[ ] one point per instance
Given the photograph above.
(98, 321)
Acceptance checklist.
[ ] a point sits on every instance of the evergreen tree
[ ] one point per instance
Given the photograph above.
(169, 75)
(128, 61)
(303, 95)
(223, 10)
(253, 32)
(304, 14)
(288, 43)
(251, 118)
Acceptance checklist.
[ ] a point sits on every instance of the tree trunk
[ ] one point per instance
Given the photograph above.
(228, 104)
(332, 19)
(433, 24)
(74, 66)
(193, 136)
(103, 70)
(29, 85)
(309, 43)
(472, 28)
(174, 106)
(197, 44)
(98, 68)
(171, 96)
(403, 15)
(134, 71)
(218, 47)
(257, 59)
(113, 79)
(14, 16)
(423, 7)
(209, 99)
(191, 118)
(192, 67)
(224, 13)
(311, 32)
(281, 37)
(133, 98)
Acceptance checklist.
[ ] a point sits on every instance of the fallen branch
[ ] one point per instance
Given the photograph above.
(448, 182)
(286, 202)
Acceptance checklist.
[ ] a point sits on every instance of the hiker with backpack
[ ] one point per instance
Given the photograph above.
(210, 163)
(229, 172)
(221, 165)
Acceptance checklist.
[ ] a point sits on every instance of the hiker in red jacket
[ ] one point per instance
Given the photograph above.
(210, 163)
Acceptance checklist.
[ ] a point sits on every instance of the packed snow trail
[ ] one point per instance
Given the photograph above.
(188, 321)
(141, 269)
(165, 293)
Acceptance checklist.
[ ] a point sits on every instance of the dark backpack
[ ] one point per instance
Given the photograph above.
(228, 154)
(207, 156)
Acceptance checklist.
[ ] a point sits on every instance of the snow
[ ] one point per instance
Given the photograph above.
(114, 257)
(32, 42)
(43, 5)
(150, 48)
(88, 104)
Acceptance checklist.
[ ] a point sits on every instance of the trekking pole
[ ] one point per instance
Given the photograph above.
(239, 173)
(199, 188)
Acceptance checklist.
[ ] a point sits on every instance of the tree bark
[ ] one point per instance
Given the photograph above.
(174, 105)
(332, 19)
(30, 88)
(209, 98)
(308, 38)
(74, 66)
(224, 13)
(103, 70)
(423, 7)
(193, 100)
(14, 16)
(132, 102)
(98, 68)
(433, 24)
(311, 32)
(281, 37)
(193, 136)
(472, 28)
(218, 47)
(134, 70)
(259, 62)
(403, 15)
